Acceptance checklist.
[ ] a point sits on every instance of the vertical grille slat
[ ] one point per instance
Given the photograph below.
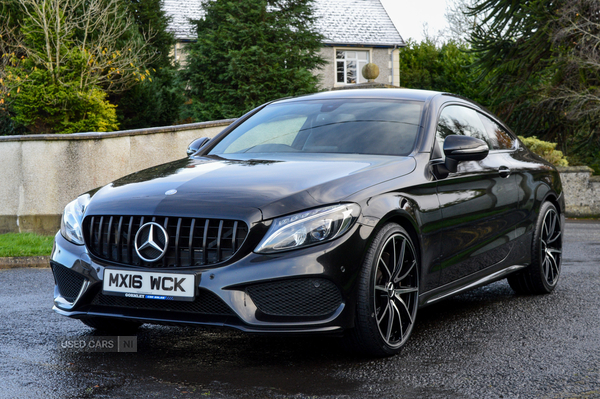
(177, 236)
(191, 241)
(233, 236)
(129, 243)
(166, 226)
(204, 247)
(100, 235)
(135, 259)
(219, 241)
(118, 239)
(91, 243)
(108, 234)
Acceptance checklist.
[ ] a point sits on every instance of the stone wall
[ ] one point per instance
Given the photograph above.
(582, 191)
(40, 174)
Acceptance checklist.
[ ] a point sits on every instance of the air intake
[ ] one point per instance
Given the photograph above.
(192, 241)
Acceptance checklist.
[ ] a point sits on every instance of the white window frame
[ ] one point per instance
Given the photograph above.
(360, 78)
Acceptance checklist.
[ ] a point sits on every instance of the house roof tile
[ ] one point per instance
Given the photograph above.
(361, 22)
(342, 22)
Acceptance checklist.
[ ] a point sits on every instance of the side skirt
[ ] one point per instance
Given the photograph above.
(466, 284)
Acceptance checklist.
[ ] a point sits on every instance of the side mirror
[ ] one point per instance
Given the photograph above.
(463, 148)
(196, 145)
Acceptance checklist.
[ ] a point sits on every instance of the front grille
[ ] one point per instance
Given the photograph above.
(192, 241)
(69, 282)
(205, 303)
(298, 297)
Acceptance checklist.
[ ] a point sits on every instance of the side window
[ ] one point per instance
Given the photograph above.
(462, 121)
(500, 139)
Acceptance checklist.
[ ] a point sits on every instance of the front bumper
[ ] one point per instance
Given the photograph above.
(303, 282)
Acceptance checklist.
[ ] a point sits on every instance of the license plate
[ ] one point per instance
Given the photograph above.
(149, 285)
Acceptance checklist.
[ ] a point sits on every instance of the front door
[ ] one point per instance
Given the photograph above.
(478, 202)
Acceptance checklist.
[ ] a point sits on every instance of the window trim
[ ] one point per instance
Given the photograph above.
(515, 139)
(481, 111)
(335, 50)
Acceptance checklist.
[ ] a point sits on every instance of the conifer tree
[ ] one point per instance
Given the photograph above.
(154, 101)
(249, 52)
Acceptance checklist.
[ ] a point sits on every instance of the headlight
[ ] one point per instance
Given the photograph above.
(70, 224)
(309, 228)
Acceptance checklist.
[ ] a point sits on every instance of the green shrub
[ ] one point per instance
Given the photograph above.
(595, 164)
(153, 102)
(60, 60)
(446, 68)
(545, 150)
(43, 106)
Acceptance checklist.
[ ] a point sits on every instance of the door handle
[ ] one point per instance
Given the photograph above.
(504, 171)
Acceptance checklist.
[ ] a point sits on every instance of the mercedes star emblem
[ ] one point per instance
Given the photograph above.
(151, 242)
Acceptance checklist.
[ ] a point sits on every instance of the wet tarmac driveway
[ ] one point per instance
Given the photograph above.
(488, 343)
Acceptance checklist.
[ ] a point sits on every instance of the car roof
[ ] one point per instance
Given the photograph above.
(382, 93)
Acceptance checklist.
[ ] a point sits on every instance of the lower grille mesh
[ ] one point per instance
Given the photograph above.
(205, 303)
(69, 282)
(299, 297)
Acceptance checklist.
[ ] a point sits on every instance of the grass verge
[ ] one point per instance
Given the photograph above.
(25, 244)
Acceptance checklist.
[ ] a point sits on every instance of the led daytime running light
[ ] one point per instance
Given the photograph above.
(309, 228)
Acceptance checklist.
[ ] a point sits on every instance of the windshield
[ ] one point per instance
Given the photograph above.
(364, 126)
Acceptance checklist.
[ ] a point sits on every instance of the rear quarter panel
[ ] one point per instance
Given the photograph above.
(537, 181)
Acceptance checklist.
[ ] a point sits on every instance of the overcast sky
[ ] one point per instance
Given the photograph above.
(409, 16)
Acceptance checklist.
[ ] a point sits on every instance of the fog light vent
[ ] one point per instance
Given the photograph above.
(305, 297)
(69, 282)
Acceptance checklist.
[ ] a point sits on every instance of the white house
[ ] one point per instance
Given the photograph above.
(356, 32)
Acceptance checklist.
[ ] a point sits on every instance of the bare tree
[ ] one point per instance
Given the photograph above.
(460, 22)
(435, 38)
(579, 87)
(462, 19)
(88, 37)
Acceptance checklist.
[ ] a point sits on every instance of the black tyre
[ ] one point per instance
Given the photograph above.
(111, 325)
(388, 294)
(541, 276)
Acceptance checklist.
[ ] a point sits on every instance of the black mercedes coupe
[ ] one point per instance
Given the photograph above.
(337, 213)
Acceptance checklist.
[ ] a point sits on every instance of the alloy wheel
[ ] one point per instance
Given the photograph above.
(396, 290)
(551, 247)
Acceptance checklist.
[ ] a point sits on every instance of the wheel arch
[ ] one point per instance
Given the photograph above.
(408, 224)
(403, 218)
(553, 198)
(400, 208)
(548, 195)
(549, 188)
(544, 192)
